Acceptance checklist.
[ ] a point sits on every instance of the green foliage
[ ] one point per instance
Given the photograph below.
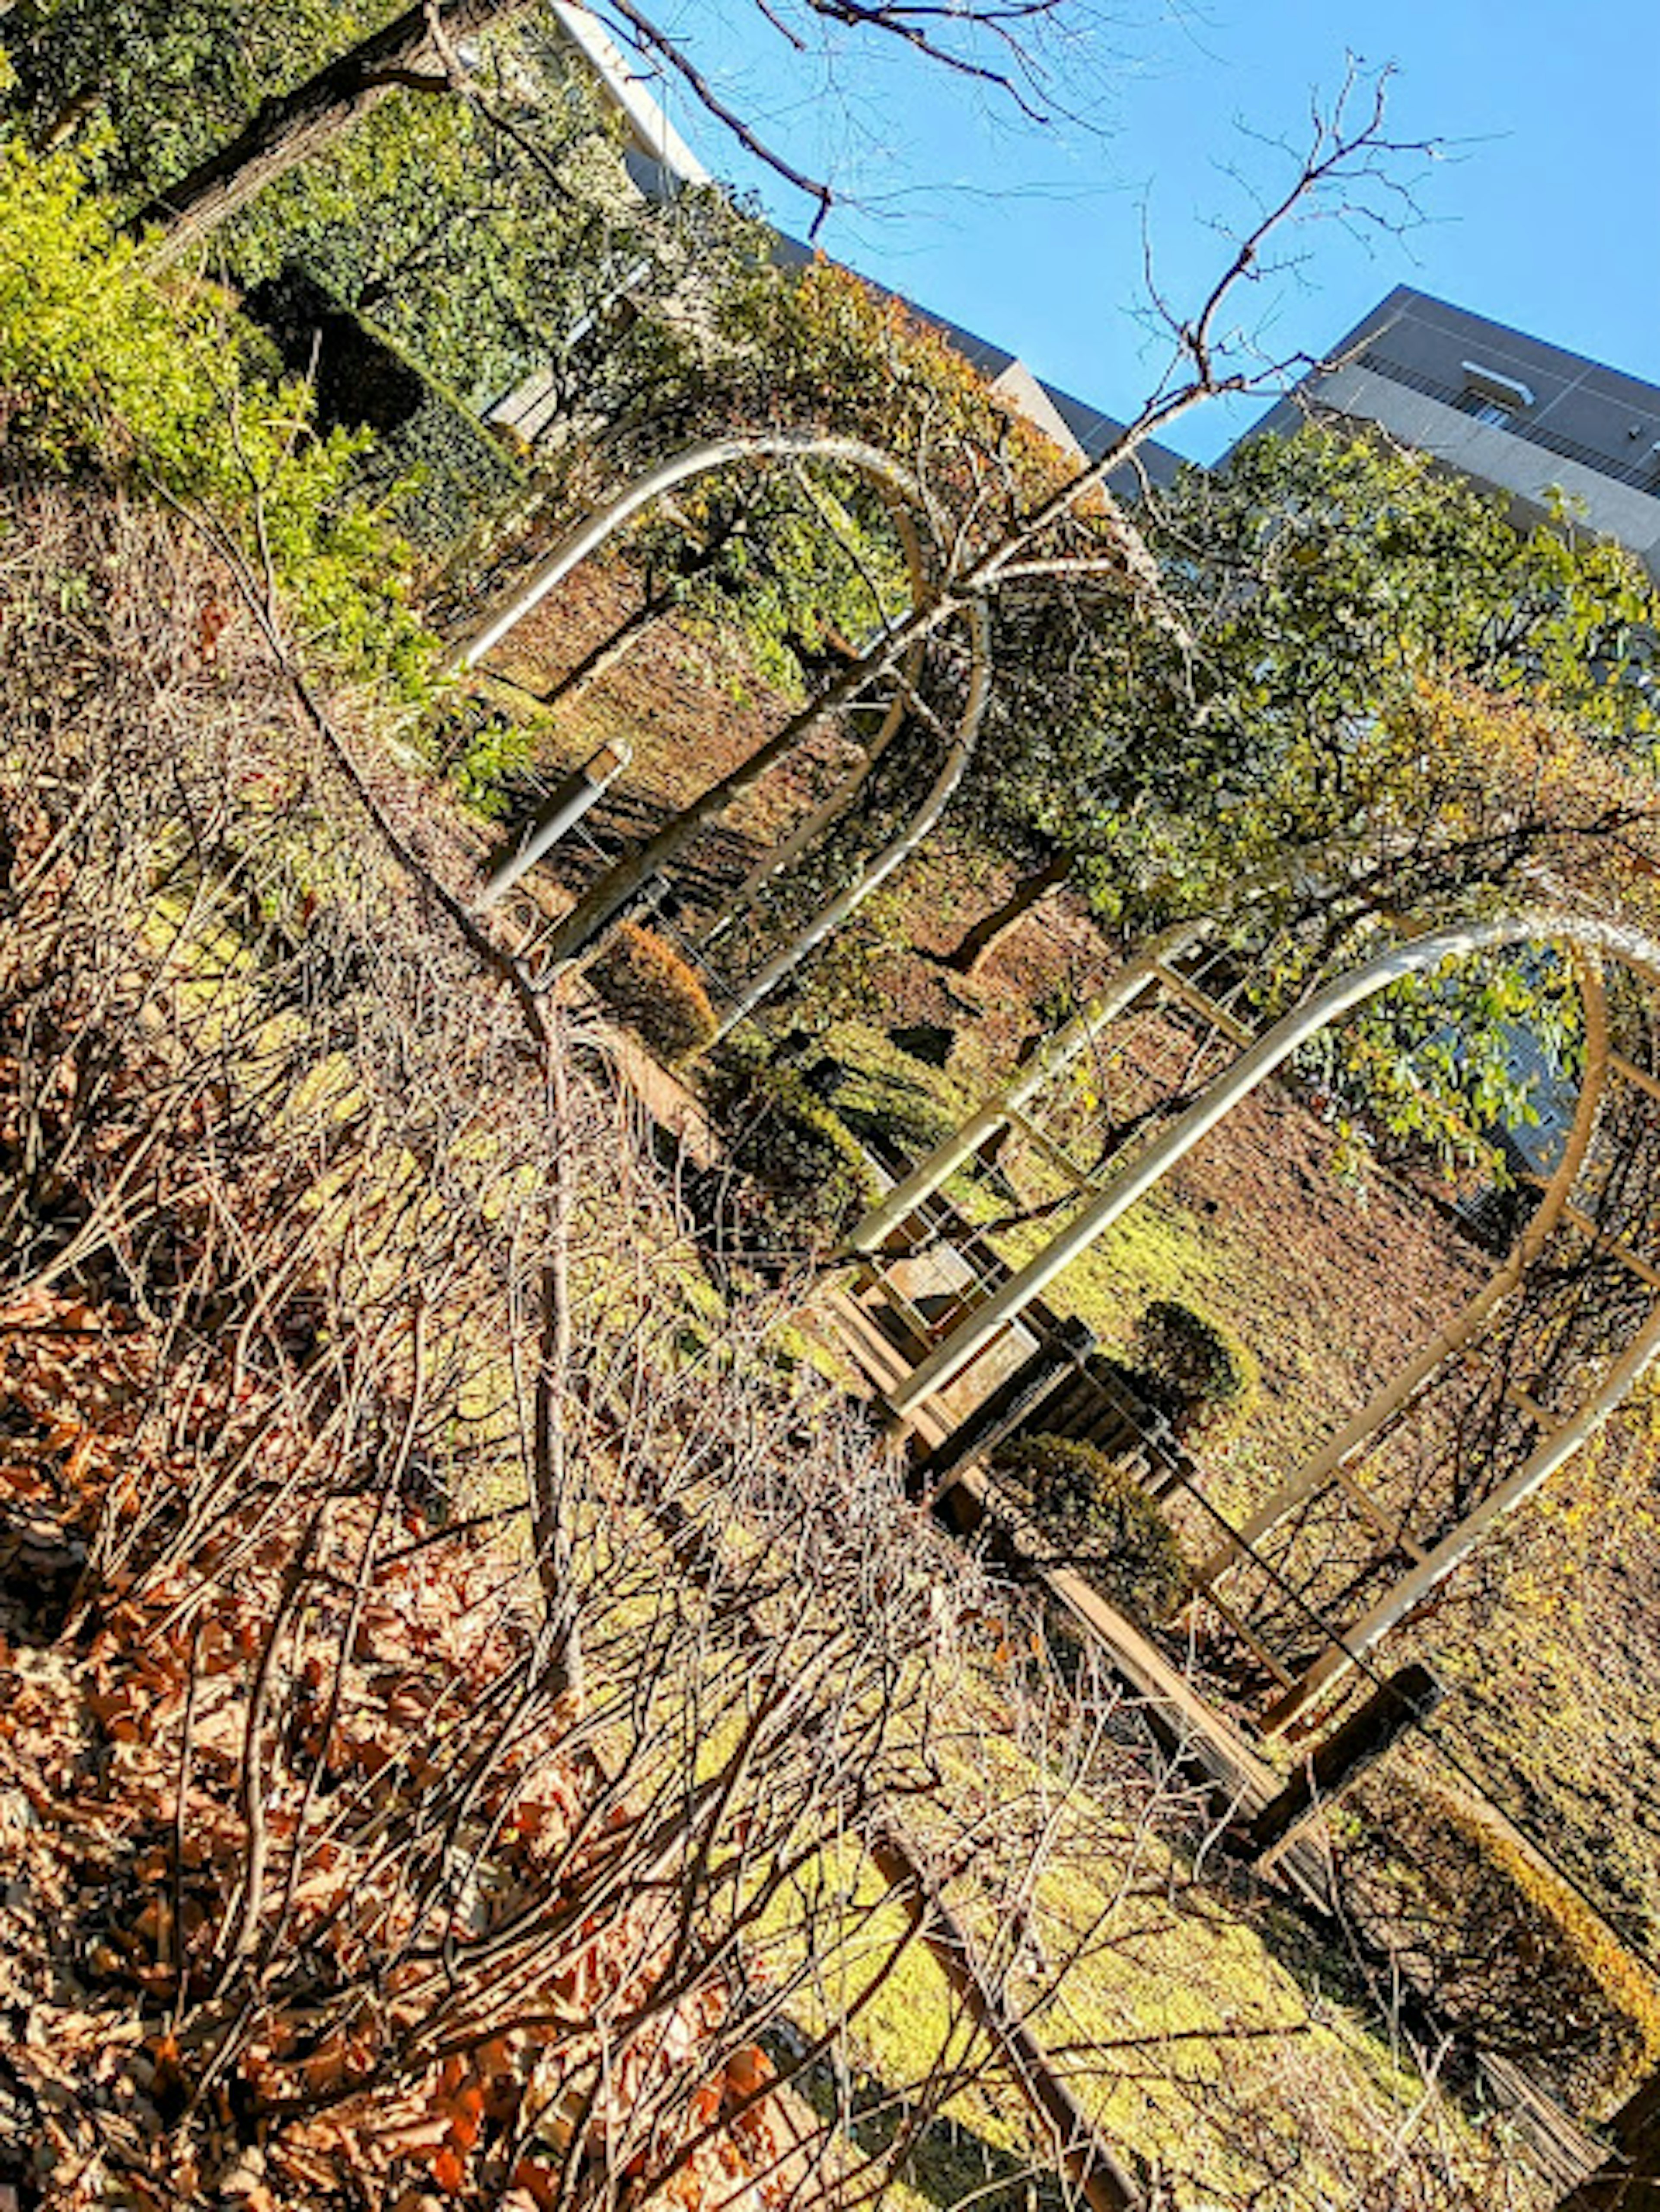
(823, 346)
(880, 1092)
(805, 562)
(452, 240)
(443, 474)
(1434, 1060)
(883, 1099)
(1352, 564)
(149, 88)
(1324, 579)
(484, 750)
(810, 1178)
(489, 240)
(433, 466)
(647, 984)
(1193, 1370)
(1103, 1518)
(101, 363)
(1392, 704)
(818, 346)
(1506, 1949)
(812, 558)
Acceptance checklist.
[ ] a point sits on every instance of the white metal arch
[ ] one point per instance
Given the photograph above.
(958, 752)
(1590, 941)
(705, 458)
(909, 507)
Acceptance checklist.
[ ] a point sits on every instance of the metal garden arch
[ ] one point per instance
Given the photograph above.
(1541, 1437)
(912, 522)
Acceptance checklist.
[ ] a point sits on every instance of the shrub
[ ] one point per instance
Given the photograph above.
(809, 1179)
(101, 361)
(884, 1108)
(1192, 1370)
(647, 985)
(487, 753)
(1103, 1518)
(1503, 1948)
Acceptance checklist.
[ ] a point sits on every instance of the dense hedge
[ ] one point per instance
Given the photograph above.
(1503, 1948)
(105, 362)
(885, 1109)
(809, 1178)
(647, 984)
(1100, 1520)
(441, 470)
(1192, 1370)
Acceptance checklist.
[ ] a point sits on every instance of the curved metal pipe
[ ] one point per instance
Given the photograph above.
(1403, 1385)
(906, 503)
(1051, 1059)
(960, 753)
(1632, 947)
(1056, 1054)
(1553, 1452)
(831, 810)
(693, 461)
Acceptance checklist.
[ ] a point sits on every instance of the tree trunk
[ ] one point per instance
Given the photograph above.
(696, 558)
(623, 881)
(601, 659)
(290, 129)
(988, 934)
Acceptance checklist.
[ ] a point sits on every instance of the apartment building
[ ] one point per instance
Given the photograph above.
(1529, 419)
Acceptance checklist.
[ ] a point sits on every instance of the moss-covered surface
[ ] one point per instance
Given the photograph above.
(1218, 2051)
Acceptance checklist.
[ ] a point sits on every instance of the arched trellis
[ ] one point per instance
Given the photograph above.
(1541, 1438)
(707, 458)
(959, 750)
(914, 523)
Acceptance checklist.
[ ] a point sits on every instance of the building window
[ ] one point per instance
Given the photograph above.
(1491, 397)
(1486, 409)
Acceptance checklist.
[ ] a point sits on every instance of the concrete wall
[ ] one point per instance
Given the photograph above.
(1499, 458)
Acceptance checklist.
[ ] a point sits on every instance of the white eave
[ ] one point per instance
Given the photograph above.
(630, 93)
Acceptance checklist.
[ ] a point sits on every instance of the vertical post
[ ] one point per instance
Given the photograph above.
(1002, 1412)
(1630, 2181)
(1411, 1694)
(1554, 1451)
(563, 811)
(1419, 957)
(1050, 1061)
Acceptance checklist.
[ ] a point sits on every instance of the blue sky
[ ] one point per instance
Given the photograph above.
(1541, 212)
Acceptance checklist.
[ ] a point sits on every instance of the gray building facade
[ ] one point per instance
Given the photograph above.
(1510, 411)
(1540, 425)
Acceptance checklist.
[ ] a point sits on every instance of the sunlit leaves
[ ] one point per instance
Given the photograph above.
(99, 361)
